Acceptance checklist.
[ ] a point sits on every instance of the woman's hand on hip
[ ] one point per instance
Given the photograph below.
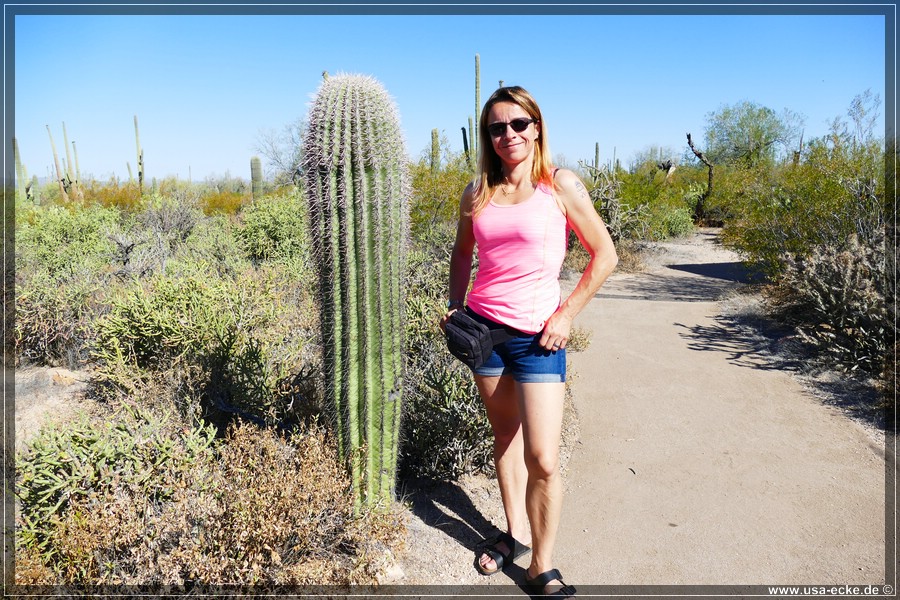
(443, 322)
(556, 332)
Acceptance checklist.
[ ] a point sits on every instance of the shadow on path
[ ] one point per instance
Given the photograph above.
(736, 272)
(755, 344)
(759, 343)
(446, 507)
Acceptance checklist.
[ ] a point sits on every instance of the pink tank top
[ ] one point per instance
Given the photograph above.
(521, 248)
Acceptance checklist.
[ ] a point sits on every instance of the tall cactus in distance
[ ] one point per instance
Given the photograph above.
(358, 186)
(60, 178)
(72, 178)
(21, 176)
(256, 177)
(77, 168)
(435, 151)
(140, 157)
(475, 142)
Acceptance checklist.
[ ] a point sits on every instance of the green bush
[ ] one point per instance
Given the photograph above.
(211, 250)
(791, 210)
(234, 338)
(62, 241)
(646, 203)
(672, 223)
(62, 270)
(274, 227)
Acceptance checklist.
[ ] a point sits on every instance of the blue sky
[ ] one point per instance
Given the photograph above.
(206, 87)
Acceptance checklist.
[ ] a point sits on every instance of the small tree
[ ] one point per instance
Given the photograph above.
(749, 134)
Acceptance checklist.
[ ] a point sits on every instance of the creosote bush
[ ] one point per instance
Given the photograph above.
(224, 202)
(146, 501)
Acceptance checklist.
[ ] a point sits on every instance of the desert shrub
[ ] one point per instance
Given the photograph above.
(274, 227)
(180, 506)
(62, 257)
(178, 189)
(60, 241)
(579, 339)
(223, 202)
(445, 429)
(791, 210)
(577, 258)
(211, 250)
(836, 297)
(54, 319)
(126, 197)
(234, 338)
(670, 222)
(645, 203)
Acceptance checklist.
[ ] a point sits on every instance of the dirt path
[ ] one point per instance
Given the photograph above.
(701, 460)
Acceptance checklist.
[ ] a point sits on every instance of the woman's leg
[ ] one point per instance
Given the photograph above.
(541, 410)
(500, 396)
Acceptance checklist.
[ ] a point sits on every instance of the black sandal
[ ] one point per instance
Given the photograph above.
(489, 547)
(536, 585)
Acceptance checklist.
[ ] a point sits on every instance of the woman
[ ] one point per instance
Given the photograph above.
(519, 212)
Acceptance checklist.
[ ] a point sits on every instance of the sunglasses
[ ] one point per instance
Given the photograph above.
(518, 125)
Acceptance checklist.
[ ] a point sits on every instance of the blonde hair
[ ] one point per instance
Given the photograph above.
(490, 171)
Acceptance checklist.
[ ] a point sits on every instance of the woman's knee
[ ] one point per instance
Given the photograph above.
(542, 464)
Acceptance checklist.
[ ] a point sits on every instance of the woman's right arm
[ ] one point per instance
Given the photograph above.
(461, 255)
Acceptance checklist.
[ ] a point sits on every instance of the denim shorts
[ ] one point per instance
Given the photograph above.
(522, 357)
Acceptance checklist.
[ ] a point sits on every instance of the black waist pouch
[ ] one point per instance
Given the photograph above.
(470, 341)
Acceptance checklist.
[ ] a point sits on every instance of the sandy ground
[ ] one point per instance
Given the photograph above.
(695, 452)
(44, 396)
(703, 456)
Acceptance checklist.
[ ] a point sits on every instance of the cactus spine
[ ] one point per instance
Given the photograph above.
(357, 187)
(256, 177)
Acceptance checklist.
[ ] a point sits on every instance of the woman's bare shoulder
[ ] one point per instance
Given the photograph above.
(571, 188)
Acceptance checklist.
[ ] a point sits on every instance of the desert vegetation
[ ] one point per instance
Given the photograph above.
(216, 448)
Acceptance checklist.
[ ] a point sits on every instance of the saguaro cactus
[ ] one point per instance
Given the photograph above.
(435, 151)
(475, 144)
(60, 176)
(358, 187)
(140, 157)
(21, 177)
(256, 177)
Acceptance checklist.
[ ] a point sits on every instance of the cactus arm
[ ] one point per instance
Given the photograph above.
(59, 175)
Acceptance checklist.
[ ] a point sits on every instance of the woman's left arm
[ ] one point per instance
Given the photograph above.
(593, 235)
